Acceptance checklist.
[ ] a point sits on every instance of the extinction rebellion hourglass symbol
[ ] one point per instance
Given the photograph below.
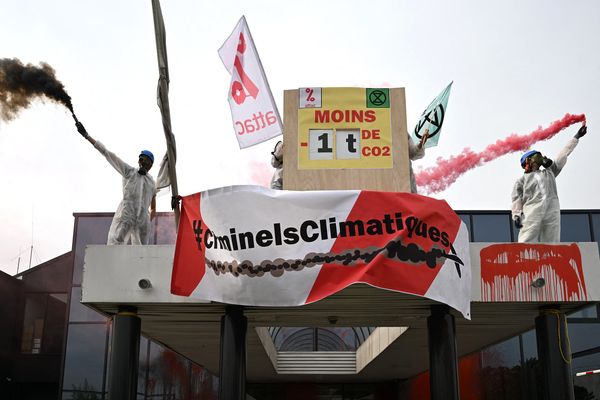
(238, 89)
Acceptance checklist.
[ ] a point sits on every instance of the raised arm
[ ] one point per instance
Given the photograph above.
(561, 158)
(83, 132)
(121, 166)
(416, 152)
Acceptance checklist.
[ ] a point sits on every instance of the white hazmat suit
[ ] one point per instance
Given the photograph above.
(535, 200)
(414, 153)
(131, 220)
(277, 163)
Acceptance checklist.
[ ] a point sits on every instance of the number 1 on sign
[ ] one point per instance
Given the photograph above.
(320, 144)
(324, 147)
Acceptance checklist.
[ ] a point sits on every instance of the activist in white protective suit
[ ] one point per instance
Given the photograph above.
(277, 163)
(535, 206)
(416, 152)
(131, 222)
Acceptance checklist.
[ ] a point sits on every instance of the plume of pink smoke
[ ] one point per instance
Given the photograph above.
(447, 171)
(261, 173)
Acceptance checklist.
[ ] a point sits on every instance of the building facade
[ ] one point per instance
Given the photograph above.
(52, 346)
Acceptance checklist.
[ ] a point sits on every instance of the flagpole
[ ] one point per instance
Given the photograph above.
(163, 101)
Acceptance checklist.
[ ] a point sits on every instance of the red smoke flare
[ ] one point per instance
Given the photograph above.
(261, 173)
(447, 171)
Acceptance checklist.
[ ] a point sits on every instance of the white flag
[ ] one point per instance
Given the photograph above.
(253, 110)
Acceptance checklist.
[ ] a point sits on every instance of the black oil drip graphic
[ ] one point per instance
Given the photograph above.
(394, 249)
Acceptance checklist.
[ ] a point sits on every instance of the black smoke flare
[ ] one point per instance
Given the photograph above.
(20, 84)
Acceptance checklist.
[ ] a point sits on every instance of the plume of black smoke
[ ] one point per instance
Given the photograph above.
(20, 84)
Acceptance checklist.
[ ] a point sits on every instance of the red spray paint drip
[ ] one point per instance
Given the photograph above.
(508, 270)
(447, 171)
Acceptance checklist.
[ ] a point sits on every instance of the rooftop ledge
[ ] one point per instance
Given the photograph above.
(505, 301)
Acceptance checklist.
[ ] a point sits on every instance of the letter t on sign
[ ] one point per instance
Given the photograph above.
(347, 144)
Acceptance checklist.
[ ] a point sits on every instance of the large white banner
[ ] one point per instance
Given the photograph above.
(255, 246)
(253, 110)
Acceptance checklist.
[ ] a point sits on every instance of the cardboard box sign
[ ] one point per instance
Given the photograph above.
(345, 138)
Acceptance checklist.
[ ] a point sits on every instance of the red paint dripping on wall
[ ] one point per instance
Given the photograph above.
(508, 271)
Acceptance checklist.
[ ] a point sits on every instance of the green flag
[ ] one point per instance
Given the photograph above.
(432, 119)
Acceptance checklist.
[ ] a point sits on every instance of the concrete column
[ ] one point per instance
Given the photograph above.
(443, 364)
(554, 354)
(125, 355)
(232, 368)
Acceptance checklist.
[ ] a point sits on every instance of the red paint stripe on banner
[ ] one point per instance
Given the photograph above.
(189, 261)
(430, 220)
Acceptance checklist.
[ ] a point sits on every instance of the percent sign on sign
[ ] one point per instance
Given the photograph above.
(309, 96)
(238, 89)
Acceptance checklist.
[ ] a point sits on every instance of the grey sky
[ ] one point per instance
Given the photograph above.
(515, 65)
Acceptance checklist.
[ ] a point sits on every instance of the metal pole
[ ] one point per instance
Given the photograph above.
(443, 363)
(162, 97)
(554, 354)
(125, 354)
(232, 368)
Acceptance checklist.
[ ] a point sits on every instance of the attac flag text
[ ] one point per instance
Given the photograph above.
(253, 110)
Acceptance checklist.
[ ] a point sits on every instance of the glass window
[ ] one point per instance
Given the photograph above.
(505, 354)
(529, 346)
(143, 367)
(466, 218)
(84, 359)
(501, 370)
(90, 230)
(204, 385)
(295, 339)
(596, 227)
(33, 323)
(168, 374)
(336, 339)
(44, 323)
(363, 333)
(81, 313)
(587, 312)
(532, 369)
(590, 362)
(586, 386)
(575, 228)
(164, 229)
(583, 336)
(80, 395)
(491, 228)
(515, 231)
(54, 331)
